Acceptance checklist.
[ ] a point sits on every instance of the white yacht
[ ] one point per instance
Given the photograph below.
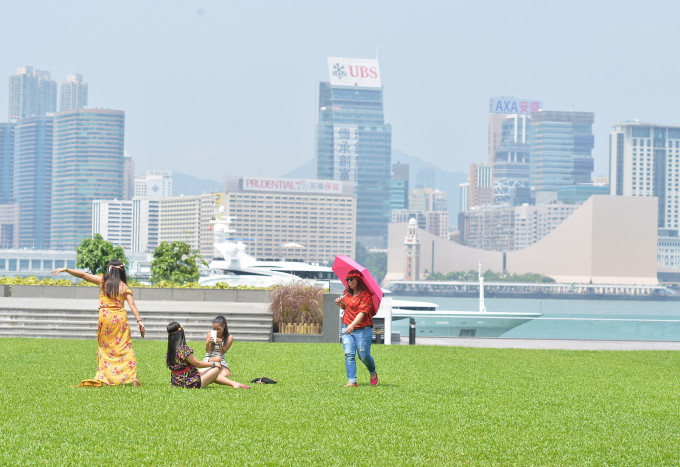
(432, 322)
(237, 268)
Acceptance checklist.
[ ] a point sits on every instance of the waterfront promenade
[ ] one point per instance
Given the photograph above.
(550, 344)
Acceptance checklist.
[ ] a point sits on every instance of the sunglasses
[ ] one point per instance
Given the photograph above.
(351, 279)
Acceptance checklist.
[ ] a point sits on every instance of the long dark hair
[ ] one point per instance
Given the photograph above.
(222, 321)
(175, 339)
(360, 281)
(115, 274)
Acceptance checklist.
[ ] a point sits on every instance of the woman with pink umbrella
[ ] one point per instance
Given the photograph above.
(357, 326)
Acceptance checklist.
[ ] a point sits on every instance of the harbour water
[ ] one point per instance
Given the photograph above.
(572, 319)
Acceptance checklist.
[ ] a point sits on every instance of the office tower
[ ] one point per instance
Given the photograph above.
(187, 219)
(645, 161)
(481, 185)
(87, 165)
(9, 227)
(509, 123)
(270, 213)
(132, 224)
(31, 93)
(6, 162)
(33, 147)
(353, 142)
(73, 93)
(561, 145)
(154, 184)
(399, 186)
(128, 177)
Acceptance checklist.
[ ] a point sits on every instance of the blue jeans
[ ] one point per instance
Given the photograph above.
(359, 341)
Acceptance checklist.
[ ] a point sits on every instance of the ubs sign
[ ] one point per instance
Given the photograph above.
(354, 72)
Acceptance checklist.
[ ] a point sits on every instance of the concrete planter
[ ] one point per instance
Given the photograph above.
(297, 338)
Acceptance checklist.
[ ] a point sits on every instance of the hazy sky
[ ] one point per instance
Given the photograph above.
(215, 87)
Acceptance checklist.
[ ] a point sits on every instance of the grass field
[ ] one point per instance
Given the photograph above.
(434, 405)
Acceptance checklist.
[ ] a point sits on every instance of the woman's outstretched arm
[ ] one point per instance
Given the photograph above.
(80, 274)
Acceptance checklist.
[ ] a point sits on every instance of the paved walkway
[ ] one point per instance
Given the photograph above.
(562, 344)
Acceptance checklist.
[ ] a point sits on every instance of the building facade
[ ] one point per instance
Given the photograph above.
(132, 224)
(506, 227)
(9, 226)
(31, 93)
(645, 161)
(353, 142)
(87, 165)
(73, 93)
(6, 162)
(33, 147)
(561, 145)
(187, 219)
(154, 184)
(434, 222)
(316, 218)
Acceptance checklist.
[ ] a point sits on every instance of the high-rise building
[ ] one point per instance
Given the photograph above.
(31, 93)
(481, 185)
(645, 161)
(308, 220)
(73, 93)
(399, 186)
(33, 148)
(154, 184)
(434, 222)
(187, 219)
(129, 177)
(6, 162)
(353, 142)
(509, 123)
(87, 165)
(9, 226)
(132, 224)
(561, 145)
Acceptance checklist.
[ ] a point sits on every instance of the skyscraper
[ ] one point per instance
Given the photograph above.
(31, 93)
(645, 161)
(33, 139)
(509, 123)
(73, 93)
(561, 145)
(353, 142)
(6, 162)
(87, 165)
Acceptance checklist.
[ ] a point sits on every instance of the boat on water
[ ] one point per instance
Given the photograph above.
(235, 267)
(432, 322)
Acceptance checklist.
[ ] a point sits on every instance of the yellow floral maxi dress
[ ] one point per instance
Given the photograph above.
(116, 361)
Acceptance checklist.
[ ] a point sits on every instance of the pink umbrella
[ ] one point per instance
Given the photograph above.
(344, 264)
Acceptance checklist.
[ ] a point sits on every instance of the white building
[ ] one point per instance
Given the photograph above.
(155, 184)
(434, 222)
(73, 93)
(187, 219)
(131, 224)
(307, 220)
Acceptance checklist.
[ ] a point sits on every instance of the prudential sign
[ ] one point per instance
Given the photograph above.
(354, 72)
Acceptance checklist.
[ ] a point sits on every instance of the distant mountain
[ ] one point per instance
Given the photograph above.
(420, 173)
(183, 184)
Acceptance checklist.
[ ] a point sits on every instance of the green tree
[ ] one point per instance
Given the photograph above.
(94, 253)
(375, 262)
(175, 262)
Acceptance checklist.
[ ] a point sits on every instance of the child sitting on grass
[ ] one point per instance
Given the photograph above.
(184, 365)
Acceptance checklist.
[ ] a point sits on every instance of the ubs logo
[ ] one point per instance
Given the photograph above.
(339, 71)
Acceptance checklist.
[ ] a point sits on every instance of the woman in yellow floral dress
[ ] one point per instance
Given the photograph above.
(116, 361)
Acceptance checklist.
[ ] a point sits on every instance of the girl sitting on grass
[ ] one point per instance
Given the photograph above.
(216, 348)
(184, 365)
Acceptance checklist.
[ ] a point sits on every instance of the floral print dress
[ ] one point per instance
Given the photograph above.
(184, 374)
(116, 361)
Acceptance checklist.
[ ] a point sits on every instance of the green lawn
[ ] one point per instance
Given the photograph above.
(434, 405)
